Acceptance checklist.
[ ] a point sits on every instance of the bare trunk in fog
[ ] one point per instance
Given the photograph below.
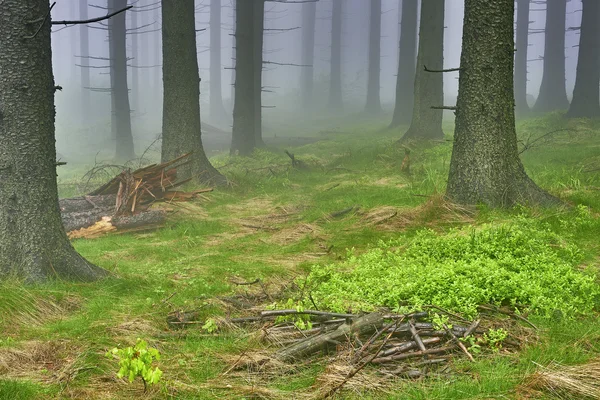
(33, 242)
(157, 37)
(181, 103)
(309, 11)
(121, 111)
(257, 42)
(243, 138)
(586, 96)
(485, 165)
(135, 79)
(373, 105)
(553, 92)
(232, 88)
(217, 111)
(335, 75)
(521, 106)
(84, 52)
(429, 86)
(405, 81)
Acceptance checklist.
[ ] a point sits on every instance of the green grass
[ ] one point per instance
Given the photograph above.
(193, 258)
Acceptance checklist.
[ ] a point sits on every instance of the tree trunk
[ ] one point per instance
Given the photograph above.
(586, 95)
(373, 105)
(243, 138)
(405, 82)
(181, 102)
(157, 36)
(485, 165)
(309, 15)
(553, 92)
(121, 110)
(84, 52)
(429, 86)
(257, 42)
(335, 75)
(521, 106)
(217, 111)
(135, 79)
(33, 243)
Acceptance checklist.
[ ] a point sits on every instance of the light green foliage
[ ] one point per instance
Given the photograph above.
(494, 338)
(521, 263)
(137, 361)
(210, 325)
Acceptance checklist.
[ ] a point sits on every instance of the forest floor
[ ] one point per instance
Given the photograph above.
(275, 223)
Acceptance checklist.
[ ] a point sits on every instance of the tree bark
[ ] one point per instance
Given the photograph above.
(243, 139)
(405, 82)
(121, 110)
(426, 122)
(485, 165)
(135, 79)
(373, 105)
(586, 95)
(257, 42)
(181, 102)
(553, 91)
(335, 75)
(217, 111)
(309, 15)
(84, 52)
(33, 242)
(521, 106)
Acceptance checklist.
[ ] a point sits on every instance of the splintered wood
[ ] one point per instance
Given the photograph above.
(123, 203)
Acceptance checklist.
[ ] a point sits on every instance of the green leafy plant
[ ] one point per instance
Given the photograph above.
(494, 338)
(210, 325)
(137, 361)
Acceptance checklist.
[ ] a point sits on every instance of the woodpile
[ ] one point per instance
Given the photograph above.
(123, 203)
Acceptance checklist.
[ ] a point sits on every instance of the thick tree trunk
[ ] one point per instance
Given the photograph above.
(485, 165)
(181, 102)
(521, 106)
(309, 15)
(405, 82)
(257, 42)
(217, 111)
(373, 105)
(243, 139)
(335, 75)
(84, 52)
(121, 110)
(33, 243)
(429, 86)
(553, 92)
(586, 95)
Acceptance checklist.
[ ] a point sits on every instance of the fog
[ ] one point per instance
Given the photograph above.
(83, 134)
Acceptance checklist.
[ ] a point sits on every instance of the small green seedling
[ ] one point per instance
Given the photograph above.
(137, 361)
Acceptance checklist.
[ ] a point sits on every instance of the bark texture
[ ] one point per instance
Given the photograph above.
(553, 92)
(217, 111)
(426, 122)
(135, 51)
(373, 105)
(485, 165)
(33, 243)
(121, 111)
(309, 14)
(335, 74)
(243, 140)
(405, 82)
(521, 106)
(181, 86)
(258, 24)
(586, 95)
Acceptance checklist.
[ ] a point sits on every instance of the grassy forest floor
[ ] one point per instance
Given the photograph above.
(275, 224)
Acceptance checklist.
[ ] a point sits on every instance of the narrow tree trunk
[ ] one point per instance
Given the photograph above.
(243, 138)
(217, 111)
(33, 243)
(135, 79)
(156, 83)
(232, 88)
(553, 92)
(405, 82)
(586, 95)
(429, 86)
(181, 102)
(84, 52)
(335, 75)
(257, 42)
(121, 110)
(485, 165)
(521, 106)
(373, 105)
(309, 14)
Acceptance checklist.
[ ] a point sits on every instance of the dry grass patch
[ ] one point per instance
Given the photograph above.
(567, 382)
(294, 234)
